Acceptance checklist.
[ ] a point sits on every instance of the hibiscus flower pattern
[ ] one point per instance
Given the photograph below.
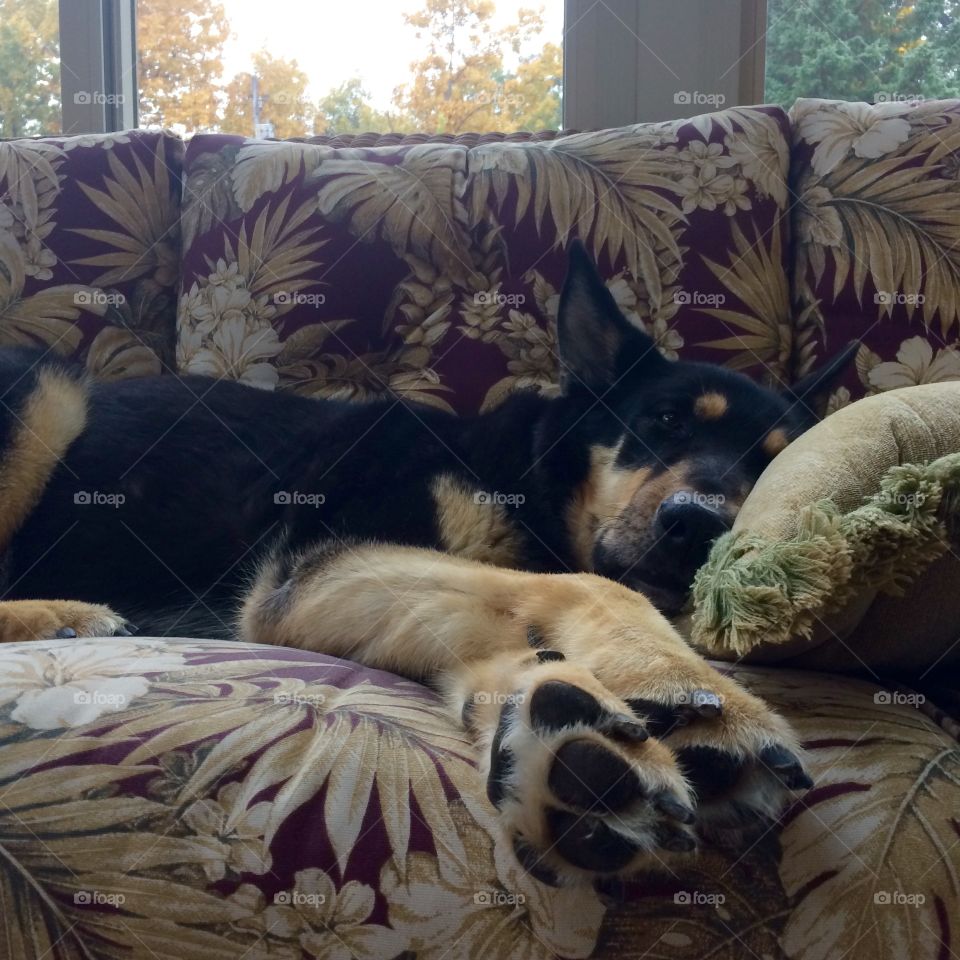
(875, 228)
(439, 263)
(252, 801)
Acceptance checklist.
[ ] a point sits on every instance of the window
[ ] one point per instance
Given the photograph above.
(873, 50)
(29, 68)
(292, 69)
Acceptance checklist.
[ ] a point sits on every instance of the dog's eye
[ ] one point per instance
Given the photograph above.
(668, 419)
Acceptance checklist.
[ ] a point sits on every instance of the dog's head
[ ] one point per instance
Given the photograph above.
(663, 452)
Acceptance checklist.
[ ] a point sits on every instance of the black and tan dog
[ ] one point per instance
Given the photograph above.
(482, 555)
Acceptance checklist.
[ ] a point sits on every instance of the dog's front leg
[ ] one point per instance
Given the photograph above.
(569, 684)
(22, 620)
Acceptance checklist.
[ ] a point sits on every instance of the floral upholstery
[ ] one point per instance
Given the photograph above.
(875, 230)
(180, 799)
(204, 799)
(89, 248)
(432, 268)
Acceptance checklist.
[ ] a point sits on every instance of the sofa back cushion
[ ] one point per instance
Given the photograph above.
(89, 248)
(877, 240)
(432, 269)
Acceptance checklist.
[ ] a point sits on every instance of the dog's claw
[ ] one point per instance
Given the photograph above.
(668, 804)
(66, 633)
(705, 704)
(787, 767)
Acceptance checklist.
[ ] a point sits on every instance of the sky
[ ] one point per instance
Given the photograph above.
(333, 40)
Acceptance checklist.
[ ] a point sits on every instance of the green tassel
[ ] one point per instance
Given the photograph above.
(752, 591)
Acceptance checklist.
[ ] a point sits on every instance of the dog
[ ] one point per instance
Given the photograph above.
(524, 562)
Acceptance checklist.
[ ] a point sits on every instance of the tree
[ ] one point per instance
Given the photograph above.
(862, 49)
(345, 109)
(180, 62)
(282, 89)
(464, 81)
(29, 68)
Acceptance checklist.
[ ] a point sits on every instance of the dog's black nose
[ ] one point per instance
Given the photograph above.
(687, 523)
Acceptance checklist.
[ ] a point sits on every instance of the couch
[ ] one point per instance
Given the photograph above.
(193, 798)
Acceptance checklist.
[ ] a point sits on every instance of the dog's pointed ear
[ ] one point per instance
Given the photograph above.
(594, 337)
(814, 384)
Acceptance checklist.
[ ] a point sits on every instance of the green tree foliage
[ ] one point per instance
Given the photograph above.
(862, 49)
(29, 68)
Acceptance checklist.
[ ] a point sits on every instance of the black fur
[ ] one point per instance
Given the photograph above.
(212, 473)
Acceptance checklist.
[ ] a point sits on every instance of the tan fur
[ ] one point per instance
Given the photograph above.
(22, 620)
(54, 416)
(776, 441)
(711, 406)
(472, 529)
(465, 627)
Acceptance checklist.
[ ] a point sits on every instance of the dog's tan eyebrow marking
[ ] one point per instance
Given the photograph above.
(711, 406)
(776, 441)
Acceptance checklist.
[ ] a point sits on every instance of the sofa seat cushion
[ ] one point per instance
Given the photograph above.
(876, 222)
(431, 269)
(183, 798)
(89, 248)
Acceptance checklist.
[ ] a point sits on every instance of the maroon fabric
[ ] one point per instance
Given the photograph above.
(89, 242)
(431, 270)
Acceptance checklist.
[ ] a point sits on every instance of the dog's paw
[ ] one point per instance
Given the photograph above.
(22, 620)
(582, 788)
(739, 756)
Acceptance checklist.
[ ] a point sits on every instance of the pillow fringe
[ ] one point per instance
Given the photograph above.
(752, 591)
